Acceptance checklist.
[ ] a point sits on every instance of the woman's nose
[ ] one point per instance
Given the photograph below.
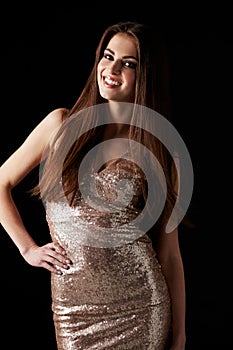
(115, 67)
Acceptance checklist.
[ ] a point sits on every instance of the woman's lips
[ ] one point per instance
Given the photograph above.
(111, 82)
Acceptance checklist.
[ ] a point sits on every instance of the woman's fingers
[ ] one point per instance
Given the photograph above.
(50, 256)
(56, 247)
(56, 255)
(56, 259)
(51, 268)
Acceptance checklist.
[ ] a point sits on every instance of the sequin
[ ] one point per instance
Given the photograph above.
(114, 296)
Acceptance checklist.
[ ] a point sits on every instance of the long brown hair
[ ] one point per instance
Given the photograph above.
(151, 91)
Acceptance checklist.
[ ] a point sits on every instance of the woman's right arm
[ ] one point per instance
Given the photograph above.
(12, 171)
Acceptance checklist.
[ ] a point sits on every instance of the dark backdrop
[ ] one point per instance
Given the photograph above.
(46, 55)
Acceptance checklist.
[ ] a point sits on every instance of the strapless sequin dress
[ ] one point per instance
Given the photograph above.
(114, 296)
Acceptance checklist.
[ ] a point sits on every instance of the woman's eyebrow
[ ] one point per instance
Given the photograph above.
(113, 53)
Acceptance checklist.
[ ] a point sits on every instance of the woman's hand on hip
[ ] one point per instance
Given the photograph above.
(50, 256)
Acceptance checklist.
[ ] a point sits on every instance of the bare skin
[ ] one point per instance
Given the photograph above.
(50, 256)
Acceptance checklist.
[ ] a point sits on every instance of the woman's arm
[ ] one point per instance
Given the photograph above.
(169, 256)
(15, 168)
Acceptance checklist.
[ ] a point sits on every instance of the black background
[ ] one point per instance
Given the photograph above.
(47, 52)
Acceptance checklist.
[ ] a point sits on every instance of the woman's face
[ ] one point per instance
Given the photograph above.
(116, 71)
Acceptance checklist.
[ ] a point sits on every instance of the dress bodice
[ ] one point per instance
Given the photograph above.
(106, 207)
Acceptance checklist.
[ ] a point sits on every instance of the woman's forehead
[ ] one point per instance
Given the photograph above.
(124, 44)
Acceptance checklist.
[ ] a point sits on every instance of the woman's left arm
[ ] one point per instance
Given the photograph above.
(169, 256)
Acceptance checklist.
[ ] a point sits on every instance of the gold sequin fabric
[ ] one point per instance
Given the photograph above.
(114, 295)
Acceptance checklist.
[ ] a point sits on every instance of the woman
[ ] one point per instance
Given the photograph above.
(110, 288)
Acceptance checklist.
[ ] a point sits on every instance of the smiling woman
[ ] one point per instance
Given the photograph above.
(111, 287)
(117, 69)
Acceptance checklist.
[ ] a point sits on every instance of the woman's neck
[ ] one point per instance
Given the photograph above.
(120, 112)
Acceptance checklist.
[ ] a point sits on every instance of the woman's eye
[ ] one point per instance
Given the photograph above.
(129, 64)
(108, 57)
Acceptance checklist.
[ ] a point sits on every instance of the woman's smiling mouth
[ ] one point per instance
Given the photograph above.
(111, 82)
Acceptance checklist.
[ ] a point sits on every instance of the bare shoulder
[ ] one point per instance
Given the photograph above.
(54, 119)
(39, 140)
(49, 126)
(33, 149)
